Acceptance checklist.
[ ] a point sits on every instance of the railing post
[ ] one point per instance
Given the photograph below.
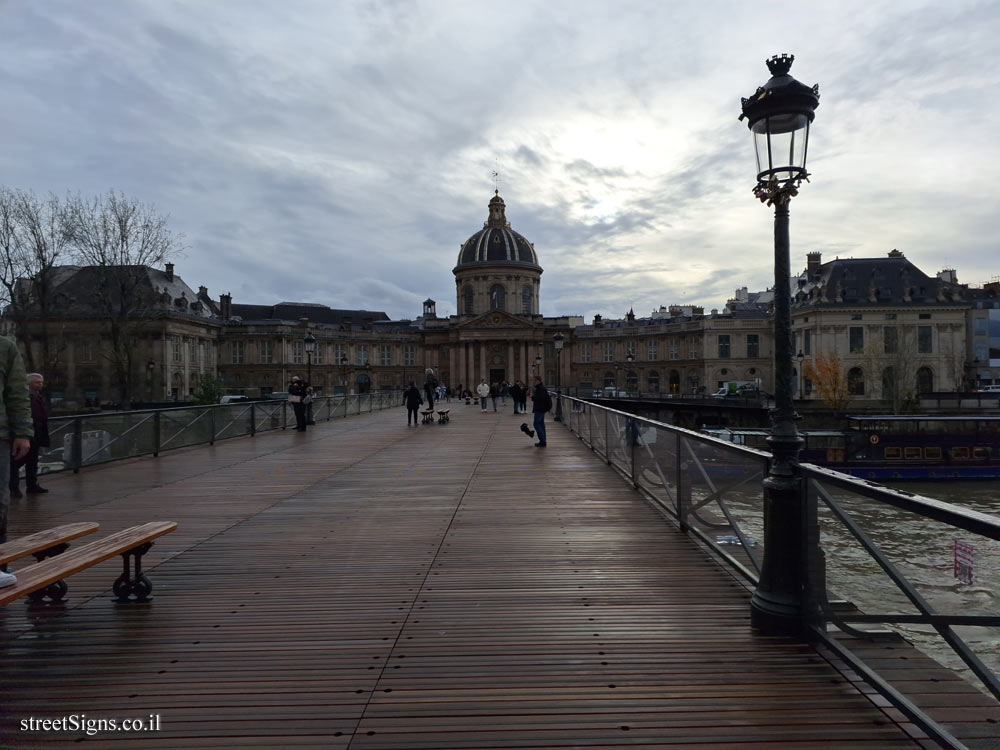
(632, 432)
(211, 424)
(77, 444)
(253, 419)
(683, 488)
(156, 433)
(607, 445)
(284, 415)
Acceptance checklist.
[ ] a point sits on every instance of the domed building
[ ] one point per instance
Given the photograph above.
(498, 333)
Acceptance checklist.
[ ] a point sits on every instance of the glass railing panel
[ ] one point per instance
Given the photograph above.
(182, 427)
(882, 560)
(232, 420)
(597, 431)
(721, 496)
(270, 415)
(112, 436)
(620, 435)
(55, 457)
(656, 463)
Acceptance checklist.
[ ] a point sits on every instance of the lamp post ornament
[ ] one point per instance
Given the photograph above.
(779, 115)
(558, 341)
(309, 343)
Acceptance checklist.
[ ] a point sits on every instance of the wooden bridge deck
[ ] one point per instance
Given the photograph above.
(369, 585)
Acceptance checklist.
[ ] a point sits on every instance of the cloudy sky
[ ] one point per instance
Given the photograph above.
(340, 152)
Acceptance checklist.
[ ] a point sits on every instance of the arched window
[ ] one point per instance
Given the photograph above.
(631, 381)
(675, 381)
(498, 297)
(526, 301)
(889, 387)
(609, 379)
(653, 381)
(925, 380)
(856, 382)
(468, 295)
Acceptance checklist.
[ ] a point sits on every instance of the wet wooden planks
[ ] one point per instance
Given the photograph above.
(368, 585)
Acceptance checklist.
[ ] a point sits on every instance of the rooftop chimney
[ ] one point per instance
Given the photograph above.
(170, 271)
(226, 306)
(813, 262)
(597, 321)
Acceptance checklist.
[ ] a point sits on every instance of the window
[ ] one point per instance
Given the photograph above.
(469, 297)
(585, 352)
(932, 452)
(238, 351)
(856, 335)
(672, 349)
(526, 301)
(192, 351)
(912, 453)
(297, 352)
(409, 356)
(653, 382)
(980, 451)
(498, 297)
(890, 316)
(175, 347)
(266, 352)
(87, 350)
(318, 354)
(339, 353)
(807, 342)
(857, 317)
(925, 380)
(631, 381)
(385, 355)
(652, 350)
(960, 451)
(723, 346)
(362, 354)
(856, 382)
(609, 351)
(924, 339)
(693, 349)
(890, 339)
(753, 346)
(924, 316)
(630, 349)
(893, 453)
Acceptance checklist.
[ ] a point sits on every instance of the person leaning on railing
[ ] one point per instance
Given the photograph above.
(15, 430)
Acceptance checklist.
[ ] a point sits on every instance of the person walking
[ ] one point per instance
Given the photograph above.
(40, 425)
(541, 402)
(515, 396)
(413, 400)
(504, 392)
(430, 385)
(297, 393)
(15, 430)
(524, 396)
(495, 394)
(483, 391)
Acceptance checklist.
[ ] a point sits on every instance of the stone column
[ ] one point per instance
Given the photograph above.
(525, 373)
(483, 372)
(509, 372)
(470, 351)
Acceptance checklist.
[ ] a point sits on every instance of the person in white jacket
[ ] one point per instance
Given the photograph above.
(483, 391)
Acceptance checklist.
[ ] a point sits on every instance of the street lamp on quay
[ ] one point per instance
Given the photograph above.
(343, 368)
(779, 115)
(538, 364)
(558, 341)
(309, 343)
(801, 358)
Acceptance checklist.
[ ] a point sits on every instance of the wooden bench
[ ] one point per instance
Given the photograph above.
(428, 416)
(44, 544)
(42, 578)
(443, 416)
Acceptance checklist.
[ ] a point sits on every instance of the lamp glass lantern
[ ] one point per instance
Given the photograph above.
(779, 115)
(310, 343)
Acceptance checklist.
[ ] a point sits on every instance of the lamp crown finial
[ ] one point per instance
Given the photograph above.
(779, 65)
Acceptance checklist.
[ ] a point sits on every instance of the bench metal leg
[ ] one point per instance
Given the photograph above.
(54, 591)
(132, 582)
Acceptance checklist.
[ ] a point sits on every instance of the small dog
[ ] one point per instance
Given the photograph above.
(524, 428)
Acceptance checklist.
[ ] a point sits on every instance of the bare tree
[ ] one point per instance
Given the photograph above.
(829, 378)
(119, 239)
(32, 243)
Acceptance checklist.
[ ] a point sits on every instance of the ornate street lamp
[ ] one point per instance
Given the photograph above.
(343, 367)
(629, 359)
(801, 358)
(538, 364)
(309, 342)
(558, 341)
(779, 115)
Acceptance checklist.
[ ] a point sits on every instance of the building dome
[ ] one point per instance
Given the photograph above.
(497, 244)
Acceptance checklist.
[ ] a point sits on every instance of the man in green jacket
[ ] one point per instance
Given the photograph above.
(15, 429)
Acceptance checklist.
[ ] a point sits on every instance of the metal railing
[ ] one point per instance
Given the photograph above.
(92, 439)
(894, 559)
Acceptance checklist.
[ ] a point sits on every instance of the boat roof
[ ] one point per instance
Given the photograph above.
(926, 418)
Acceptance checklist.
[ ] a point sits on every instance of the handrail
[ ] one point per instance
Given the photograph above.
(91, 439)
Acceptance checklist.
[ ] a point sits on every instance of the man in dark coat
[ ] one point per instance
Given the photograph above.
(541, 402)
(40, 422)
(298, 391)
(412, 400)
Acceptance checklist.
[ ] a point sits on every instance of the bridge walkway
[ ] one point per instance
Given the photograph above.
(371, 585)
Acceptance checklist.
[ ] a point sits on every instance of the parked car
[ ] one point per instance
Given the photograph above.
(233, 399)
(279, 395)
(990, 389)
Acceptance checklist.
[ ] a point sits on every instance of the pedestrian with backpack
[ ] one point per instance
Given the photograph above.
(541, 402)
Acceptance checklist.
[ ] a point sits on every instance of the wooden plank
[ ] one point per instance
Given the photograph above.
(43, 540)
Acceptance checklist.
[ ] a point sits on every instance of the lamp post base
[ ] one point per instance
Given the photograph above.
(558, 416)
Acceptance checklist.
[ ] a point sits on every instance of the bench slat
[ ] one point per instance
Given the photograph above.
(56, 568)
(42, 540)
